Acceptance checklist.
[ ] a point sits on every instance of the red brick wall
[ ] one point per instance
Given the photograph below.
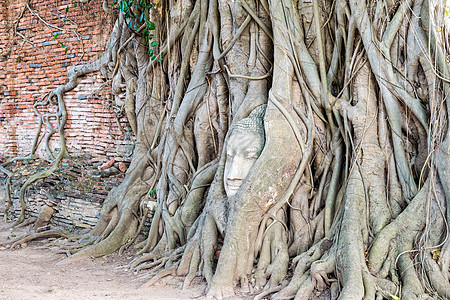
(28, 72)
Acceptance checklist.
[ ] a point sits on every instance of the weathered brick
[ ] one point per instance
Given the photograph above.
(91, 129)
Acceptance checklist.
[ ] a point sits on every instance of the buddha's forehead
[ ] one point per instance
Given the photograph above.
(246, 139)
(249, 132)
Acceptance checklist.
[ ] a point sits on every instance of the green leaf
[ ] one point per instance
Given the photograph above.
(67, 9)
(153, 57)
(154, 44)
(75, 4)
(150, 52)
(55, 36)
(142, 17)
(150, 25)
(129, 24)
(160, 59)
(65, 50)
(18, 58)
(394, 297)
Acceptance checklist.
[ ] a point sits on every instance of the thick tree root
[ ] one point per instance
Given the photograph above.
(164, 273)
(26, 238)
(302, 272)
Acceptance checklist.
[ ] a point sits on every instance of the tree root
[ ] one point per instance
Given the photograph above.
(274, 258)
(439, 283)
(164, 273)
(268, 292)
(303, 263)
(34, 236)
(267, 52)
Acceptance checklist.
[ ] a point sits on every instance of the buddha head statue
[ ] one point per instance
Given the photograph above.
(244, 145)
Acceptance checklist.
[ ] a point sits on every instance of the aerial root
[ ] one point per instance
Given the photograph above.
(76, 246)
(319, 271)
(164, 273)
(70, 244)
(155, 261)
(185, 262)
(293, 287)
(33, 236)
(140, 260)
(274, 258)
(305, 290)
(57, 242)
(15, 239)
(193, 268)
(445, 260)
(188, 279)
(27, 222)
(384, 288)
(437, 279)
(268, 292)
(301, 282)
(153, 266)
(370, 287)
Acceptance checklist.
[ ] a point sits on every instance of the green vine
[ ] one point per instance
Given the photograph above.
(136, 14)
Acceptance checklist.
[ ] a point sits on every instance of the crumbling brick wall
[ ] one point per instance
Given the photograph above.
(37, 62)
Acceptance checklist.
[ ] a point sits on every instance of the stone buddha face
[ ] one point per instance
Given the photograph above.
(244, 146)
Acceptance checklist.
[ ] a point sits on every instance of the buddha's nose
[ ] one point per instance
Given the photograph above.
(237, 170)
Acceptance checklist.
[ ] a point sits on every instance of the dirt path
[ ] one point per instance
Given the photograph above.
(32, 273)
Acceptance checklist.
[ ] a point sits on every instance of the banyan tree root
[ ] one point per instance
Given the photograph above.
(28, 237)
(346, 217)
(335, 113)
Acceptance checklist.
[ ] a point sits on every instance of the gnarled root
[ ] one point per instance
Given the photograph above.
(34, 236)
(302, 272)
(274, 258)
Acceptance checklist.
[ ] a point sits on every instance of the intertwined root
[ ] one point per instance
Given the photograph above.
(29, 237)
(353, 182)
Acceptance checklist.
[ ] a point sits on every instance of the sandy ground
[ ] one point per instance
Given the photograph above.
(32, 273)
